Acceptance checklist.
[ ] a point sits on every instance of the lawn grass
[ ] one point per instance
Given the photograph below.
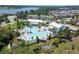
(12, 26)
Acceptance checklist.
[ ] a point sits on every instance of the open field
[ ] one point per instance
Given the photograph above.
(10, 25)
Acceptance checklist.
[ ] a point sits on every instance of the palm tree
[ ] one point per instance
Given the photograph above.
(54, 31)
(49, 38)
(18, 25)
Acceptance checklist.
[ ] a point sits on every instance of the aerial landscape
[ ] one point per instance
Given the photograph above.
(39, 29)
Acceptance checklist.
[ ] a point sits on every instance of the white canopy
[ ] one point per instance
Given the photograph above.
(54, 24)
(35, 20)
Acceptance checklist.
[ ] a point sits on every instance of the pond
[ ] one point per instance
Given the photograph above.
(14, 11)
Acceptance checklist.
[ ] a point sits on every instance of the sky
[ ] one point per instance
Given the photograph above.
(39, 2)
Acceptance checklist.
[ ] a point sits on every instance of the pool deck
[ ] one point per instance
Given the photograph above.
(30, 34)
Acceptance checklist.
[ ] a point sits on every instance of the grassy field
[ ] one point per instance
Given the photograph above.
(12, 26)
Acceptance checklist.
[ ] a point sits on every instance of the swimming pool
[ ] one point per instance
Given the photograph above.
(31, 33)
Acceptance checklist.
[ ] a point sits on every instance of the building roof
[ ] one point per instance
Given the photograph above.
(35, 20)
(54, 24)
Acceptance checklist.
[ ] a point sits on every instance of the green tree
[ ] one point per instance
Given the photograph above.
(77, 32)
(37, 39)
(56, 40)
(22, 14)
(64, 33)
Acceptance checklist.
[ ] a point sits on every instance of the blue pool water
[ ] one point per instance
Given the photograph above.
(31, 33)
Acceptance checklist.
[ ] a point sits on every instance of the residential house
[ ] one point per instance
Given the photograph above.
(33, 17)
(11, 18)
